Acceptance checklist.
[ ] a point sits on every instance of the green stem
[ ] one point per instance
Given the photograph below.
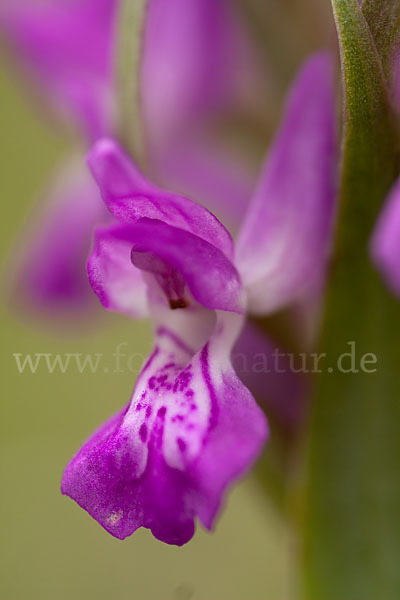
(352, 517)
(130, 43)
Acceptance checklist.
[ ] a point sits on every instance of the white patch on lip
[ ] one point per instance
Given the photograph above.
(115, 517)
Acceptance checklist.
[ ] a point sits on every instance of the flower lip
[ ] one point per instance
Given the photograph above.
(191, 429)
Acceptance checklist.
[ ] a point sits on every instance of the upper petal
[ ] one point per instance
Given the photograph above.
(130, 196)
(190, 429)
(284, 243)
(385, 243)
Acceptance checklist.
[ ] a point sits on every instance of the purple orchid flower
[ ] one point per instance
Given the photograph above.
(164, 459)
(191, 426)
(188, 77)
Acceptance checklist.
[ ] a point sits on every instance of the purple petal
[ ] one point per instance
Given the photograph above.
(50, 260)
(385, 243)
(174, 256)
(66, 48)
(284, 243)
(118, 284)
(190, 430)
(197, 61)
(129, 196)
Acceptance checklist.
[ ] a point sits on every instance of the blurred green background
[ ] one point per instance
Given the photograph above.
(51, 549)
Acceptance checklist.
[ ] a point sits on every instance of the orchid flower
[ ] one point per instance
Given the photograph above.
(191, 426)
(67, 49)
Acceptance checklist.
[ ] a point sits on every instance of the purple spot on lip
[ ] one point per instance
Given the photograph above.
(181, 444)
(138, 407)
(161, 411)
(162, 379)
(143, 432)
(152, 383)
(189, 393)
(148, 411)
(182, 381)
